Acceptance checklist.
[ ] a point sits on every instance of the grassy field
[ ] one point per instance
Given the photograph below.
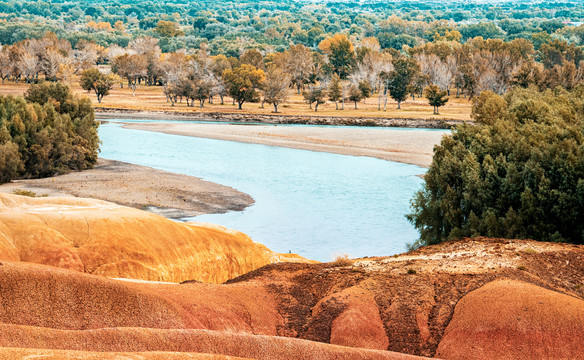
(151, 98)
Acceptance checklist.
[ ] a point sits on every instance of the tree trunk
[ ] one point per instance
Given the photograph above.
(399, 105)
(221, 98)
(240, 103)
(355, 105)
(316, 107)
(337, 105)
(379, 99)
(385, 102)
(202, 102)
(275, 107)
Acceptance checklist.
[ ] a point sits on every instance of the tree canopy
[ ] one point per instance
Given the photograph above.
(47, 132)
(519, 173)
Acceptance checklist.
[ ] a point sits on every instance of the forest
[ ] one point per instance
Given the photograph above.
(332, 51)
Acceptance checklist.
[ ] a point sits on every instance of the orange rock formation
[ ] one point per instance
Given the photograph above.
(468, 299)
(101, 238)
(519, 320)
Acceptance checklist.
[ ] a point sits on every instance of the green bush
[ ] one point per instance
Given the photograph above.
(518, 173)
(46, 132)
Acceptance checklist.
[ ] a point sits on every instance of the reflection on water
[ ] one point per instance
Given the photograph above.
(316, 204)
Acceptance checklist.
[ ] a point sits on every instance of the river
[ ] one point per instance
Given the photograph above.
(319, 205)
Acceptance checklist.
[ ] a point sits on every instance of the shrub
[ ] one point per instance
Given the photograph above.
(412, 272)
(45, 133)
(519, 174)
(342, 261)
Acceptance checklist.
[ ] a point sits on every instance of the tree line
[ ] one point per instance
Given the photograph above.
(46, 132)
(341, 70)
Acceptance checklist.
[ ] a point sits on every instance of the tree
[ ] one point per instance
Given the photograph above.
(243, 83)
(52, 60)
(168, 29)
(515, 174)
(130, 67)
(47, 132)
(299, 64)
(29, 66)
(253, 57)
(436, 97)
(335, 90)
(398, 82)
(365, 88)
(201, 90)
(276, 86)
(355, 94)
(341, 54)
(316, 94)
(101, 84)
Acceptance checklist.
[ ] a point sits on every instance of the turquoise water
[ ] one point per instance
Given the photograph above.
(316, 204)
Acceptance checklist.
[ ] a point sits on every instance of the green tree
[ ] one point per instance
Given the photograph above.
(516, 174)
(45, 133)
(341, 54)
(436, 97)
(335, 90)
(243, 83)
(101, 84)
(400, 78)
(355, 94)
(316, 95)
(365, 88)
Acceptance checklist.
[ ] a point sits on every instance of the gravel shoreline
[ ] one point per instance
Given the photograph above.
(171, 195)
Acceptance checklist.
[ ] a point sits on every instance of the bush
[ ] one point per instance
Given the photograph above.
(45, 133)
(518, 174)
(342, 261)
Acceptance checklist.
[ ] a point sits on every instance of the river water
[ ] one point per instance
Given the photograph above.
(316, 204)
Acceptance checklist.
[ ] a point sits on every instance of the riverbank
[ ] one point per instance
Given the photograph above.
(170, 195)
(313, 119)
(401, 145)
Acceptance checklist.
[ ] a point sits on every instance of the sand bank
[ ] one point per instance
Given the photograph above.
(409, 146)
(168, 194)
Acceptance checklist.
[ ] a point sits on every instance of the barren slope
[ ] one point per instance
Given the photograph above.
(102, 238)
(417, 303)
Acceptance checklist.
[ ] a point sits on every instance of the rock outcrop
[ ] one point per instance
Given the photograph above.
(467, 299)
(102, 238)
(517, 319)
(44, 307)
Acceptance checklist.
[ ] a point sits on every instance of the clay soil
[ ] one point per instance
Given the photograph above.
(407, 304)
